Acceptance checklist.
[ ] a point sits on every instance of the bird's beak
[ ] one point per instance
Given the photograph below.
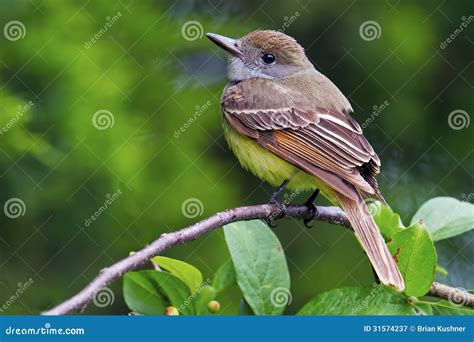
(228, 44)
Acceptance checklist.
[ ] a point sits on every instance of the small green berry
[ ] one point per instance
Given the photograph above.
(171, 311)
(214, 306)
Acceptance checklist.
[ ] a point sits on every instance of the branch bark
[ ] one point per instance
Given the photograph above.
(456, 296)
(107, 275)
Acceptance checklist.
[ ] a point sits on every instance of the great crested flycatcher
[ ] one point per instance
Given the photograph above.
(290, 125)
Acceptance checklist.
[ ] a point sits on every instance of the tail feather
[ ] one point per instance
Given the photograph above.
(373, 242)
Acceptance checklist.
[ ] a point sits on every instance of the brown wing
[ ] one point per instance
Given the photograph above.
(326, 144)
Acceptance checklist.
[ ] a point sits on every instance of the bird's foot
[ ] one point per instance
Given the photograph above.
(274, 197)
(281, 207)
(313, 211)
(278, 214)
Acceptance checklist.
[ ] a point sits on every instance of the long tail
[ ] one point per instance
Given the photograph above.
(372, 241)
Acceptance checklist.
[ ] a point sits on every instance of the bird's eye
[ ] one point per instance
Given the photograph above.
(268, 58)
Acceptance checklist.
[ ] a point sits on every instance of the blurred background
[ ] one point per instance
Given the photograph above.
(111, 133)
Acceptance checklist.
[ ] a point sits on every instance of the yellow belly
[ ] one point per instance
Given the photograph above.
(270, 167)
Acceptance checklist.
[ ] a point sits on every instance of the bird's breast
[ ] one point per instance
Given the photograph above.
(264, 164)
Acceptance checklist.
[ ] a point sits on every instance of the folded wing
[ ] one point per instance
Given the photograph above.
(325, 143)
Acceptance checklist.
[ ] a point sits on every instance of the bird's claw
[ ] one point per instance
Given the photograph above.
(281, 207)
(270, 223)
(313, 211)
(275, 215)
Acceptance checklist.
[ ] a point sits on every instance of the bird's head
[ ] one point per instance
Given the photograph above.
(263, 54)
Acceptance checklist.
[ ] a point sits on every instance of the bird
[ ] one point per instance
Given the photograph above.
(291, 126)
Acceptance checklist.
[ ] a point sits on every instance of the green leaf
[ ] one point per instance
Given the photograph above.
(376, 300)
(189, 274)
(224, 277)
(441, 270)
(416, 258)
(424, 309)
(204, 296)
(388, 222)
(260, 265)
(447, 308)
(446, 217)
(150, 292)
(244, 308)
(456, 253)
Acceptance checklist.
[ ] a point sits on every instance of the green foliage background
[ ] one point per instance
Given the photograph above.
(144, 72)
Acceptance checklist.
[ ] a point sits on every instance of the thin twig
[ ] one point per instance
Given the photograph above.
(457, 296)
(107, 275)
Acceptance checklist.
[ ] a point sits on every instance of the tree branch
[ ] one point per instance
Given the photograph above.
(107, 275)
(457, 296)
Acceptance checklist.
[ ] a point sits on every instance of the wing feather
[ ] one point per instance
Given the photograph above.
(326, 143)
